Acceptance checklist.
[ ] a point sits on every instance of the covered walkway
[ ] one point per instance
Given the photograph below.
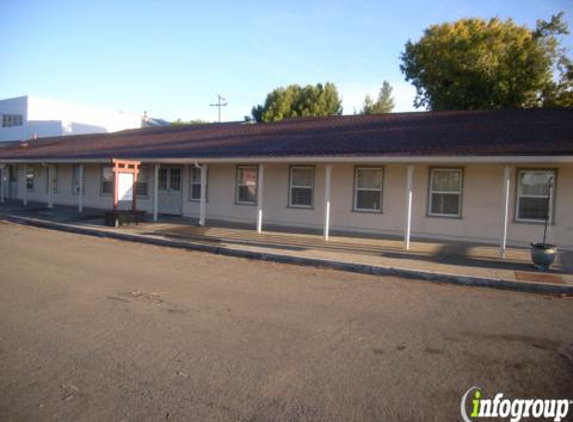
(433, 257)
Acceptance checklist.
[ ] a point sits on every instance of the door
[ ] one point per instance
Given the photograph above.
(12, 182)
(169, 190)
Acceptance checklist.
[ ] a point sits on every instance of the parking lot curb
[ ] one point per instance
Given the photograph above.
(442, 277)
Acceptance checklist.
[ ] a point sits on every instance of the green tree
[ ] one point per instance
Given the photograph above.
(560, 94)
(383, 104)
(297, 101)
(180, 122)
(478, 64)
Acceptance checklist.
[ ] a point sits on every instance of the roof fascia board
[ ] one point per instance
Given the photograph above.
(372, 159)
(55, 161)
(318, 159)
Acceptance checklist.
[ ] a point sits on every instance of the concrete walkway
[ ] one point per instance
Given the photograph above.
(438, 261)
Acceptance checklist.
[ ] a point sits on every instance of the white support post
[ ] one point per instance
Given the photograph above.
(25, 179)
(505, 210)
(409, 199)
(203, 202)
(550, 209)
(260, 186)
(327, 184)
(81, 191)
(51, 186)
(3, 169)
(155, 191)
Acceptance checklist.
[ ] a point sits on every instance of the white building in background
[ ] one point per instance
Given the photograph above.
(28, 117)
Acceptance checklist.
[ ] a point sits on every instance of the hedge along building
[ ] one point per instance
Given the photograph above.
(477, 176)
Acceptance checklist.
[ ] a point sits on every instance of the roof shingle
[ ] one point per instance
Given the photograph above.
(464, 133)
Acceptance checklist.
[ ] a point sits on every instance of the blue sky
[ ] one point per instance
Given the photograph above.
(171, 58)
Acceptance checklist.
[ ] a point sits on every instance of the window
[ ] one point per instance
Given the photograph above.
(175, 179)
(368, 189)
(30, 176)
(163, 178)
(12, 174)
(301, 187)
(142, 187)
(11, 120)
(247, 185)
(169, 179)
(54, 179)
(535, 197)
(445, 192)
(195, 184)
(76, 180)
(107, 180)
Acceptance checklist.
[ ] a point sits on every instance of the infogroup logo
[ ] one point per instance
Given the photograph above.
(514, 409)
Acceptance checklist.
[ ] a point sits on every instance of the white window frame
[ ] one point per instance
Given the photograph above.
(291, 186)
(12, 120)
(431, 192)
(193, 182)
(357, 189)
(75, 183)
(163, 178)
(518, 195)
(101, 180)
(238, 185)
(55, 179)
(33, 172)
(143, 170)
(175, 174)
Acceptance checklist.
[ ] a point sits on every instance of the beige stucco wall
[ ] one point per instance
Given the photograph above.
(481, 205)
(93, 198)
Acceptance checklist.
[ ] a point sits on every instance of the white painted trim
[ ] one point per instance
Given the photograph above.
(380, 159)
(519, 195)
(51, 174)
(3, 168)
(432, 192)
(155, 191)
(357, 189)
(260, 184)
(409, 199)
(467, 159)
(291, 186)
(238, 184)
(327, 186)
(24, 178)
(81, 193)
(192, 183)
(505, 210)
(203, 199)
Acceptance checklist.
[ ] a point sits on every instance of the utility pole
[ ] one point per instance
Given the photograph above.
(221, 102)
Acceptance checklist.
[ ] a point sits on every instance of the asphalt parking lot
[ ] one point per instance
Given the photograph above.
(100, 330)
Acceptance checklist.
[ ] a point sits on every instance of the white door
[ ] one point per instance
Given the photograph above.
(169, 190)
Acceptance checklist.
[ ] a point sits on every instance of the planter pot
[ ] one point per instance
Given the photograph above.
(119, 218)
(543, 255)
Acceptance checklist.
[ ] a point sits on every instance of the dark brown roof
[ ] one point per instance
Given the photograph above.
(468, 133)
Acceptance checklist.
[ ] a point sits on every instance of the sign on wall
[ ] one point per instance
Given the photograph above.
(125, 187)
(125, 177)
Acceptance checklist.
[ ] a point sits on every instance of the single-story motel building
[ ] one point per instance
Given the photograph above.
(488, 177)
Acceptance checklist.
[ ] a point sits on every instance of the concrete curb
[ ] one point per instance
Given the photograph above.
(466, 280)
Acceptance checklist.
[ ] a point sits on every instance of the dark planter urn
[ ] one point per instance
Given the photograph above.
(543, 255)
